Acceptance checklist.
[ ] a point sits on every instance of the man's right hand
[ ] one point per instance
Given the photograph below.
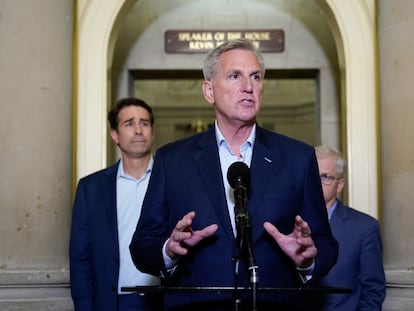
(183, 237)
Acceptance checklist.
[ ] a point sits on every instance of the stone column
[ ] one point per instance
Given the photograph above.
(396, 50)
(36, 153)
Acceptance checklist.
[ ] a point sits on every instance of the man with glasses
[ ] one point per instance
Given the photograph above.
(359, 264)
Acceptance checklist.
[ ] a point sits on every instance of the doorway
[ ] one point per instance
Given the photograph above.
(96, 31)
(290, 103)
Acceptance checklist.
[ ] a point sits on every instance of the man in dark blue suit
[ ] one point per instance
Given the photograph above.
(105, 214)
(187, 232)
(359, 265)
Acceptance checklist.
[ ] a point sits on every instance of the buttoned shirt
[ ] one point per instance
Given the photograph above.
(227, 157)
(130, 194)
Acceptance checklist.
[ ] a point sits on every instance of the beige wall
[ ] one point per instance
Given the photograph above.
(36, 149)
(397, 139)
(396, 51)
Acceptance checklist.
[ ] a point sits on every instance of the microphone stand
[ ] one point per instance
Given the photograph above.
(244, 237)
(254, 276)
(236, 293)
(238, 176)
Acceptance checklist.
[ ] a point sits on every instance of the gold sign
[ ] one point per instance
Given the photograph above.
(202, 41)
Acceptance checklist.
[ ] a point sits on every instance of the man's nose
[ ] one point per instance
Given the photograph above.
(247, 85)
(138, 128)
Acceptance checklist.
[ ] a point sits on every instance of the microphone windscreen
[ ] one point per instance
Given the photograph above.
(238, 172)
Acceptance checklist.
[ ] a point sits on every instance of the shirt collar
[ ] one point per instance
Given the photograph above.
(220, 138)
(121, 172)
(332, 209)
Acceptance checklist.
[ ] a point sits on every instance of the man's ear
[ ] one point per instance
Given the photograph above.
(114, 136)
(208, 91)
(340, 186)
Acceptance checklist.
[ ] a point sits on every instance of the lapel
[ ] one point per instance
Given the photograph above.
(263, 162)
(207, 159)
(338, 217)
(340, 212)
(109, 199)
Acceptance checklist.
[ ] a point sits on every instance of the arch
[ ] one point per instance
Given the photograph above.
(354, 27)
(95, 34)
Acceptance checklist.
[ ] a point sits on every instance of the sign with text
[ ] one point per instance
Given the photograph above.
(202, 41)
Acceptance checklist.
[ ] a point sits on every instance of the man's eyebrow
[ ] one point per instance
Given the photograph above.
(256, 72)
(128, 120)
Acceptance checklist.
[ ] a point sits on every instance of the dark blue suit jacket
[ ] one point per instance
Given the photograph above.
(94, 248)
(187, 176)
(359, 265)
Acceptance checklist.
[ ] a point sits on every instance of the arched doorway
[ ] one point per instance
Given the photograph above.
(96, 28)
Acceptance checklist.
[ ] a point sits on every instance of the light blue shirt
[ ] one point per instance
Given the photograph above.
(130, 194)
(331, 210)
(227, 157)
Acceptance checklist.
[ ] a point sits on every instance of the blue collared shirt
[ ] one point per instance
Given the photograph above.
(227, 157)
(331, 210)
(130, 194)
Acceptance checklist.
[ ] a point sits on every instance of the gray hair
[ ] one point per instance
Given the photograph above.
(212, 58)
(323, 151)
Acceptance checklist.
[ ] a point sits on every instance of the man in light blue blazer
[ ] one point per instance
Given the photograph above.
(359, 265)
(187, 232)
(105, 214)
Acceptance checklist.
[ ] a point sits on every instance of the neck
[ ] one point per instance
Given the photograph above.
(136, 167)
(235, 135)
(330, 204)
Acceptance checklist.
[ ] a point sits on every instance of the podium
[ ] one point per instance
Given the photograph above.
(306, 290)
(229, 289)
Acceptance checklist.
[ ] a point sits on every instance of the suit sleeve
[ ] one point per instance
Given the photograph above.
(314, 212)
(81, 273)
(152, 229)
(372, 271)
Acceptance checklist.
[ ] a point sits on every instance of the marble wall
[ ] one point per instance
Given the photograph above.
(36, 153)
(396, 50)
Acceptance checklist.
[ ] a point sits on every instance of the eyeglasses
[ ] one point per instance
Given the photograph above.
(327, 179)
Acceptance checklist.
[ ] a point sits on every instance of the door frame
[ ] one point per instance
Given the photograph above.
(96, 28)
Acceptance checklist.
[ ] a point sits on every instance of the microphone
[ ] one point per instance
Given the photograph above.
(238, 176)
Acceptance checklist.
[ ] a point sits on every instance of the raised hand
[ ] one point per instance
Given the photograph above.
(183, 237)
(298, 245)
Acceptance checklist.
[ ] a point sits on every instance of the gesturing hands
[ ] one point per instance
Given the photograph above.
(298, 245)
(183, 237)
